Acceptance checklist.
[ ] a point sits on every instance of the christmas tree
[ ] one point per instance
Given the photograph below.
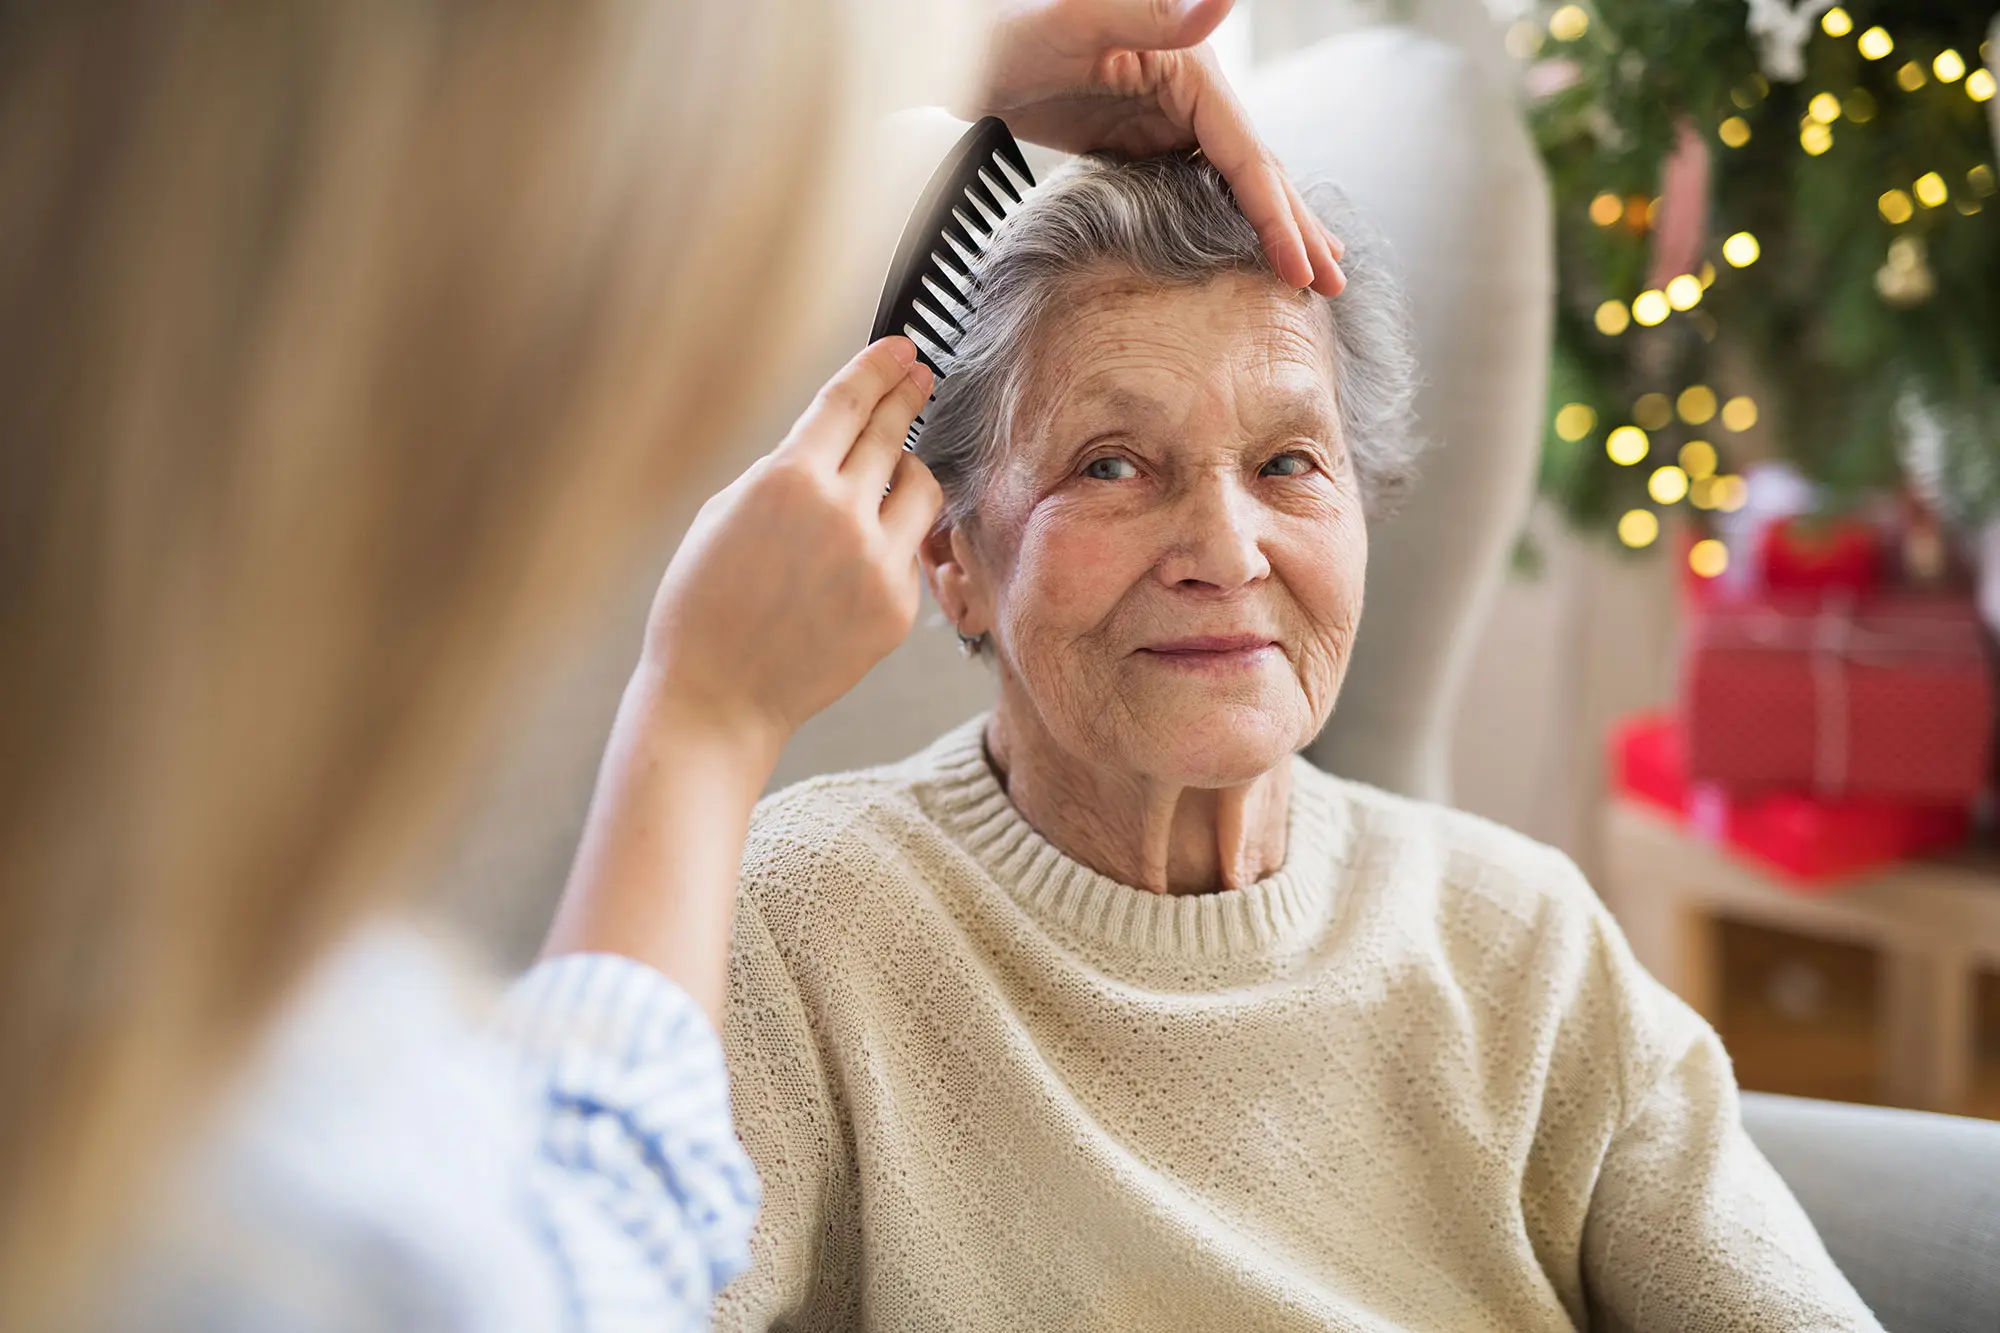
(1778, 214)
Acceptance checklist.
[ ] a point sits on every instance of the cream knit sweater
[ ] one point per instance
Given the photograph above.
(1412, 1081)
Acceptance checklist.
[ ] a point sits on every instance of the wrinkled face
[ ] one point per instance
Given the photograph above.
(1170, 556)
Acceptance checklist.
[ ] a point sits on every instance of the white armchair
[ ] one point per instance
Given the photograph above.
(1908, 1204)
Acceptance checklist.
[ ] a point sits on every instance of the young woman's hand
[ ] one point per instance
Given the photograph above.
(1133, 75)
(791, 584)
(802, 574)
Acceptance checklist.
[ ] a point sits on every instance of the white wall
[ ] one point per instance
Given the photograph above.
(1564, 654)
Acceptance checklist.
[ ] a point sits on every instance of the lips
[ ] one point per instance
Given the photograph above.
(1210, 649)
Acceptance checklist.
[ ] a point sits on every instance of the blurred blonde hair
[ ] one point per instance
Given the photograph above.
(341, 345)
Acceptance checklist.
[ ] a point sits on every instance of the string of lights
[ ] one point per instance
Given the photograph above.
(1841, 269)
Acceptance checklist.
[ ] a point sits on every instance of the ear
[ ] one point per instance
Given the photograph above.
(957, 579)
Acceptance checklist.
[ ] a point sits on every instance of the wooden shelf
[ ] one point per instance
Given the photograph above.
(1909, 958)
(1983, 1097)
(1799, 1015)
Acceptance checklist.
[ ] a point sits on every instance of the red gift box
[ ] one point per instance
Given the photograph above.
(1814, 841)
(1820, 555)
(1889, 696)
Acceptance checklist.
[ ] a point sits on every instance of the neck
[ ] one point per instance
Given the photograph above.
(1160, 836)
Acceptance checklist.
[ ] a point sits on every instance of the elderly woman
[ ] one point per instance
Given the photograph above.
(1107, 1011)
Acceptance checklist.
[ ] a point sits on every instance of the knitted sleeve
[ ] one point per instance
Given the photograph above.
(641, 1190)
(1689, 1228)
(799, 1274)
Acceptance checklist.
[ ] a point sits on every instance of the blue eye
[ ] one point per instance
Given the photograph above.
(1110, 468)
(1286, 465)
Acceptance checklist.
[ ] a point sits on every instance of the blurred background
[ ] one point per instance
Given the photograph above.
(1702, 581)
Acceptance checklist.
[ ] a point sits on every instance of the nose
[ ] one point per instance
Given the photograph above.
(1219, 535)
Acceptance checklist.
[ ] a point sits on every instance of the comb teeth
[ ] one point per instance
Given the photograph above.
(943, 278)
(1006, 154)
(933, 285)
(935, 352)
(996, 182)
(945, 327)
(968, 256)
(957, 309)
(985, 198)
(988, 207)
(974, 225)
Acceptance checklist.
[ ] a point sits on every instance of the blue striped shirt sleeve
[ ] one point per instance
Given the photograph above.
(640, 1186)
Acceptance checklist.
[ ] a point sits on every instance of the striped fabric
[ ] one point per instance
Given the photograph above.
(643, 1190)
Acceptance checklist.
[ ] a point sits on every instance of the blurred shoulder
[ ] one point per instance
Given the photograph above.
(369, 1170)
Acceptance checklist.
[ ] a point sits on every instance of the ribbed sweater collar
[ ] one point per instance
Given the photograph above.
(1280, 913)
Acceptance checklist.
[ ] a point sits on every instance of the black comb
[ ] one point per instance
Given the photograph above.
(934, 280)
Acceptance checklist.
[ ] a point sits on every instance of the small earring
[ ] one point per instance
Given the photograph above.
(971, 645)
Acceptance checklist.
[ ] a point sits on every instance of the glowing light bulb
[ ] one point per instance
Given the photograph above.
(1739, 413)
(1575, 421)
(1627, 445)
(1696, 404)
(1911, 77)
(1606, 209)
(1734, 131)
(1981, 85)
(1731, 493)
(1979, 180)
(1613, 318)
(1875, 43)
(1708, 557)
(1896, 207)
(1667, 484)
(1824, 108)
(1650, 307)
(1930, 190)
(1949, 66)
(1815, 138)
(1638, 527)
(1698, 460)
(1684, 292)
(1652, 411)
(1836, 22)
(1707, 275)
(1568, 23)
(1741, 250)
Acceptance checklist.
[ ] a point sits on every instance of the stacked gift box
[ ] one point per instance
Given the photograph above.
(1835, 710)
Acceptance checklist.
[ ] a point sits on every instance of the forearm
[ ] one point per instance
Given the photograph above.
(1689, 1225)
(793, 581)
(655, 872)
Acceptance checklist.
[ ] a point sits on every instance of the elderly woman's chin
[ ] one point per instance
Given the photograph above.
(1200, 727)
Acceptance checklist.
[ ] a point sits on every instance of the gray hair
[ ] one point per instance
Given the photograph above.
(1173, 220)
